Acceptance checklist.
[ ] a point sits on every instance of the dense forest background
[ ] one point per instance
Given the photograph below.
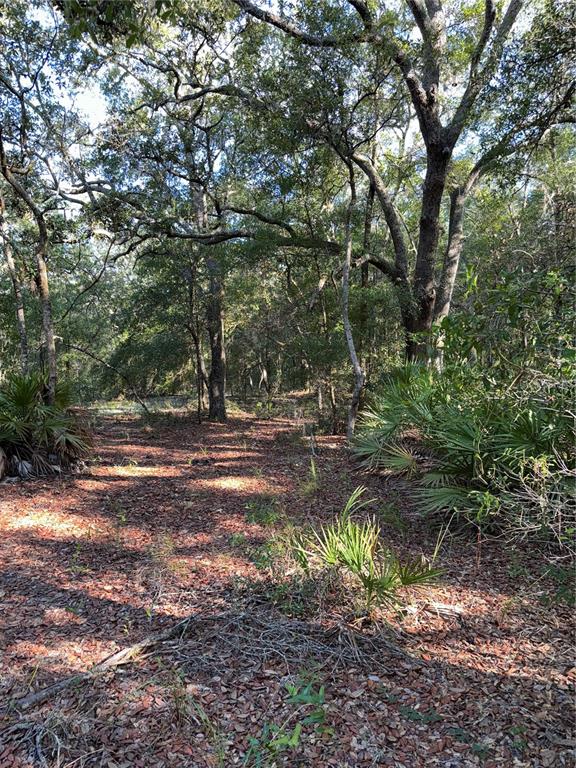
(224, 200)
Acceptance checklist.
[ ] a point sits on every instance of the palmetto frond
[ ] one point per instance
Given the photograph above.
(368, 448)
(442, 498)
(32, 430)
(356, 547)
(416, 571)
(400, 460)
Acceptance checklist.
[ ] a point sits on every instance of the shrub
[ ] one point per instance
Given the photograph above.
(500, 455)
(34, 436)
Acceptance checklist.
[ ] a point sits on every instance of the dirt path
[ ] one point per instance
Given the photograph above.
(159, 529)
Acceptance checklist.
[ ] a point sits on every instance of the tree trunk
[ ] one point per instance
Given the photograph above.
(201, 372)
(18, 297)
(333, 407)
(214, 317)
(357, 368)
(421, 317)
(450, 267)
(47, 324)
(215, 322)
(41, 273)
(320, 397)
(364, 308)
(194, 329)
(452, 255)
(264, 379)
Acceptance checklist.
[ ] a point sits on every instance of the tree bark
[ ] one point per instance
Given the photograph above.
(357, 368)
(47, 324)
(17, 288)
(201, 372)
(421, 317)
(452, 254)
(194, 330)
(364, 307)
(214, 316)
(333, 407)
(215, 322)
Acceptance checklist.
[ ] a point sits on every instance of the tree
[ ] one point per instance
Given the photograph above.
(16, 287)
(232, 124)
(187, 182)
(447, 76)
(21, 134)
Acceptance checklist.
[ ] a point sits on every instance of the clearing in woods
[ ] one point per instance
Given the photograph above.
(171, 521)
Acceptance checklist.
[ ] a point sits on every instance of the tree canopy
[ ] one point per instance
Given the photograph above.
(302, 171)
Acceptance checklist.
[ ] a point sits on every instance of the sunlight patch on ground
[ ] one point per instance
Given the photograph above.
(133, 470)
(55, 522)
(64, 658)
(57, 616)
(240, 483)
(481, 658)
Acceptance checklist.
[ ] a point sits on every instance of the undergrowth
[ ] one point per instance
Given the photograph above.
(37, 438)
(342, 564)
(500, 457)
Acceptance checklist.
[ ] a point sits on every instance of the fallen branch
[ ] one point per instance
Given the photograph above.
(247, 635)
(123, 656)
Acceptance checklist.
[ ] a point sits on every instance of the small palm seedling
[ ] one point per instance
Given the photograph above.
(355, 547)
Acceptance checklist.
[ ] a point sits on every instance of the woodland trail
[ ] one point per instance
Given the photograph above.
(161, 527)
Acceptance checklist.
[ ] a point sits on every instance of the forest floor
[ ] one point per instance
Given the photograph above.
(171, 521)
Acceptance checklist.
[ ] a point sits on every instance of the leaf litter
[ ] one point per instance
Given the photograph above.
(136, 629)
